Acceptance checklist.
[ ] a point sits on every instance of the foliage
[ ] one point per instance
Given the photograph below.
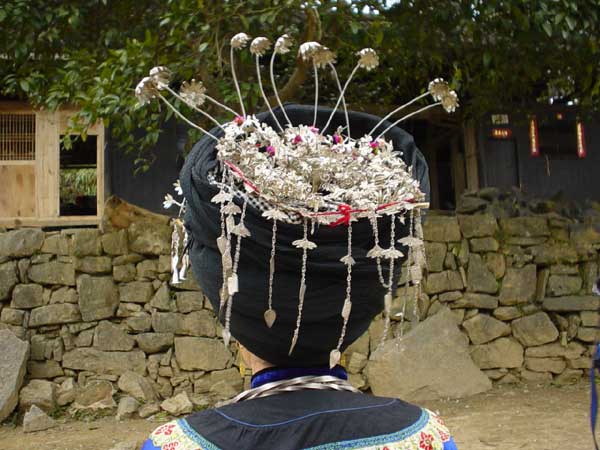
(498, 53)
(77, 182)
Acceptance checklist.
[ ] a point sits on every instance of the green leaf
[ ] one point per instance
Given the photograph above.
(487, 58)
(547, 26)
(571, 22)
(24, 85)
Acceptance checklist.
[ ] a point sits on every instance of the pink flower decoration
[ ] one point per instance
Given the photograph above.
(271, 150)
(314, 129)
(238, 120)
(297, 139)
(337, 139)
(374, 145)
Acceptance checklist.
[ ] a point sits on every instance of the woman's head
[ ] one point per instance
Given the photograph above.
(325, 277)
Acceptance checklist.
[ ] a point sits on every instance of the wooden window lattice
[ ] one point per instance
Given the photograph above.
(17, 137)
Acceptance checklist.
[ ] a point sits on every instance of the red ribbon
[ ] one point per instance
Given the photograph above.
(346, 212)
(241, 175)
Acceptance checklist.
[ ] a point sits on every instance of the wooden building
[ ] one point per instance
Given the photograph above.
(47, 185)
(551, 152)
(36, 170)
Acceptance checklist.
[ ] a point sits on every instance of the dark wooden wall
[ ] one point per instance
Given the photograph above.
(509, 162)
(146, 189)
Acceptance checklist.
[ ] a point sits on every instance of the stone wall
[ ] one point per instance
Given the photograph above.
(105, 325)
(522, 288)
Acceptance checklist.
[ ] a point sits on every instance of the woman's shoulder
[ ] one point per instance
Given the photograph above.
(176, 435)
(428, 432)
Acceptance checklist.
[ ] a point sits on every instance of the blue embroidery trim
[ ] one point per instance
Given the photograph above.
(318, 413)
(275, 374)
(450, 445)
(379, 440)
(148, 445)
(195, 436)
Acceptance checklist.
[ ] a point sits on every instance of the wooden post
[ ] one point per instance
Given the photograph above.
(47, 157)
(470, 138)
(458, 168)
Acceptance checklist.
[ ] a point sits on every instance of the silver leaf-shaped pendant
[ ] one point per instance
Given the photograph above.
(392, 253)
(294, 340)
(222, 244)
(270, 316)
(334, 358)
(223, 294)
(230, 223)
(387, 302)
(410, 241)
(241, 230)
(274, 214)
(231, 208)
(416, 274)
(226, 261)
(346, 309)
(348, 260)
(304, 244)
(175, 277)
(222, 197)
(232, 284)
(226, 336)
(419, 255)
(375, 252)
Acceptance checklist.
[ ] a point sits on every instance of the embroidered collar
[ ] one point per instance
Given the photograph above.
(283, 373)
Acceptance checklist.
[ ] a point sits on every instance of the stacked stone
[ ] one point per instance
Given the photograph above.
(104, 323)
(521, 288)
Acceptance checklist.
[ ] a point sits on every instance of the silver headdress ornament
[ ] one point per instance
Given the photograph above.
(304, 177)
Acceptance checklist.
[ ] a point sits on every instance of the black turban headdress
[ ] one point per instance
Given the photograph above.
(325, 274)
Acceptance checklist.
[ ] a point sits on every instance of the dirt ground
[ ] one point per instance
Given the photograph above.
(505, 418)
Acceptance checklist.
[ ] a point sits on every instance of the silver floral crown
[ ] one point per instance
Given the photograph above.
(298, 172)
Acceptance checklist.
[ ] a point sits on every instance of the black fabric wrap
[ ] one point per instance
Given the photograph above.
(325, 274)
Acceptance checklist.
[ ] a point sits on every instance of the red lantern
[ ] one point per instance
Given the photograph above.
(534, 142)
(581, 152)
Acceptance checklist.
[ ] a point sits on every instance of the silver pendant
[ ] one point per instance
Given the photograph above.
(232, 284)
(270, 316)
(230, 222)
(226, 336)
(334, 358)
(222, 244)
(294, 340)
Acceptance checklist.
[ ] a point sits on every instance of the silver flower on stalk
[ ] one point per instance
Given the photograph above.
(259, 46)
(438, 89)
(323, 57)
(368, 59)
(193, 93)
(450, 102)
(161, 76)
(145, 91)
(283, 44)
(308, 49)
(239, 41)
